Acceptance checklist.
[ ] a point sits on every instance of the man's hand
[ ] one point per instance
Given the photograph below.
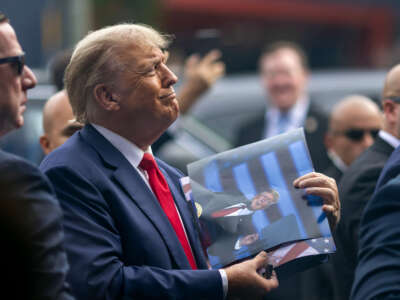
(244, 281)
(208, 69)
(318, 184)
(200, 74)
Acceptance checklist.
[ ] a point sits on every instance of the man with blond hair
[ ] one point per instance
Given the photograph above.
(129, 231)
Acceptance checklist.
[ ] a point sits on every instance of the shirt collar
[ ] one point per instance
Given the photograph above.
(296, 116)
(337, 161)
(388, 138)
(128, 149)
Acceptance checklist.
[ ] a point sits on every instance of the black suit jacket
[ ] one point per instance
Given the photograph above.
(378, 271)
(333, 171)
(41, 226)
(316, 125)
(356, 188)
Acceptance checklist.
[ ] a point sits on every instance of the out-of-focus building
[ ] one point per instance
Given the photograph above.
(333, 32)
(346, 33)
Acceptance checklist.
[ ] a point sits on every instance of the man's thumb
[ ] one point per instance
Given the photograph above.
(261, 259)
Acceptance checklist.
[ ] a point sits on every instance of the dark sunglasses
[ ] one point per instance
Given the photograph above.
(17, 62)
(357, 135)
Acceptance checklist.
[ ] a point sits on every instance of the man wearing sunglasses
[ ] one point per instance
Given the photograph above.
(38, 214)
(354, 124)
(359, 181)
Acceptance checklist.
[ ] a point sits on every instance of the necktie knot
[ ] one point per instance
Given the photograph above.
(148, 162)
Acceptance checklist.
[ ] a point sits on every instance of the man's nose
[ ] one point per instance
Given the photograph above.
(28, 79)
(368, 140)
(169, 77)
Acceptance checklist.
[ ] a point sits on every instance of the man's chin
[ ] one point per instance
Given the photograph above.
(20, 122)
(284, 103)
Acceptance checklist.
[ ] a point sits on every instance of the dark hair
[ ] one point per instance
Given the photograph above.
(3, 17)
(274, 47)
(57, 67)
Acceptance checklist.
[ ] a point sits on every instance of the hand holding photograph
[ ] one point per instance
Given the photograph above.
(246, 202)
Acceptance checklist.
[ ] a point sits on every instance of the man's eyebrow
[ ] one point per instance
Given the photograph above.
(149, 63)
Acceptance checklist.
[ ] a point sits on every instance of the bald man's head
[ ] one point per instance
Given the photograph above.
(58, 122)
(391, 88)
(391, 102)
(354, 124)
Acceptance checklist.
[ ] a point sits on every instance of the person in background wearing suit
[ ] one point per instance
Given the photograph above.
(129, 231)
(25, 188)
(284, 74)
(354, 124)
(58, 122)
(378, 266)
(358, 184)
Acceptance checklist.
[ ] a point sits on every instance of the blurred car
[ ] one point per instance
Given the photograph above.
(212, 125)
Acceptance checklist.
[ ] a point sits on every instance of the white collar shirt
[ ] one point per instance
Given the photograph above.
(388, 138)
(129, 150)
(337, 161)
(296, 117)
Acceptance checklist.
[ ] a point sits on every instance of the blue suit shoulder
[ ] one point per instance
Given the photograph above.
(378, 269)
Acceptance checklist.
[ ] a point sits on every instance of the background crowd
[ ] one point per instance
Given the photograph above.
(103, 218)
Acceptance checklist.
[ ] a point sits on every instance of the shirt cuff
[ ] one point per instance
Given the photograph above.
(224, 282)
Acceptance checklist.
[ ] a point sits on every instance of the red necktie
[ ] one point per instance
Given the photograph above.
(161, 190)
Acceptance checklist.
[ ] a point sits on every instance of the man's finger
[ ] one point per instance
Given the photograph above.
(212, 56)
(329, 209)
(192, 60)
(327, 194)
(320, 181)
(267, 284)
(308, 175)
(261, 260)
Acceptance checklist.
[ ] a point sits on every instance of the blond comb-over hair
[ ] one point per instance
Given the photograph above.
(99, 58)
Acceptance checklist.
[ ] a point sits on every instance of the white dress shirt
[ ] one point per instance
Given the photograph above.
(337, 161)
(296, 116)
(388, 138)
(134, 155)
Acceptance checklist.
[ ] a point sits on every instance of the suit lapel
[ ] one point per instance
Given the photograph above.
(130, 180)
(187, 220)
(382, 146)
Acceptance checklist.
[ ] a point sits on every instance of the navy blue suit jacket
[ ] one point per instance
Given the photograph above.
(119, 242)
(390, 170)
(40, 213)
(377, 274)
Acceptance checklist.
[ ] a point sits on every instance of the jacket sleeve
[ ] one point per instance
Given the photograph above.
(33, 195)
(378, 269)
(94, 247)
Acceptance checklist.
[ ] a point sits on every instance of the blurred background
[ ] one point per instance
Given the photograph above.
(350, 44)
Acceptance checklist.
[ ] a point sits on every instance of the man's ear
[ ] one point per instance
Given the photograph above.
(390, 111)
(105, 98)
(45, 144)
